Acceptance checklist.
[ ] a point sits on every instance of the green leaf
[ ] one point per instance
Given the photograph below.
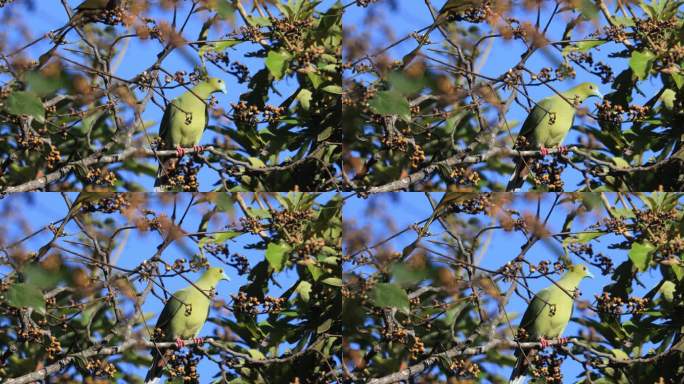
(256, 354)
(315, 271)
(404, 84)
(324, 327)
(260, 213)
(334, 281)
(584, 46)
(261, 21)
(640, 254)
(42, 278)
(391, 103)
(304, 290)
(334, 89)
(641, 63)
(678, 271)
(43, 85)
(304, 98)
(316, 80)
(619, 354)
(678, 79)
(404, 274)
(620, 162)
(222, 237)
(218, 46)
(325, 134)
(588, 9)
(218, 238)
(275, 254)
(276, 62)
(256, 162)
(26, 103)
(26, 295)
(225, 9)
(386, 295)
(585, 237)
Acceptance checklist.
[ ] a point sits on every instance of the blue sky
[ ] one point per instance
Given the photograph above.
(140, 54)
(405, 209)
(39, 209)
(412, 16)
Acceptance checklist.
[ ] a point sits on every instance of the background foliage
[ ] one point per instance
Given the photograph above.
(80, 307)
(84, 110)
(441, 302)
(448, 118)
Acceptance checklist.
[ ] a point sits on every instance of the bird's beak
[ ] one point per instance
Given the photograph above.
(589, 274)
(223, 89)
(225, 277)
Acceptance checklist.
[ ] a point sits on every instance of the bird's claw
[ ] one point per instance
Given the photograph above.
(544, 151)
(562, 149)
(198, 340)
(563, 340)
(198, 148)
(180, 151)
(180, 343)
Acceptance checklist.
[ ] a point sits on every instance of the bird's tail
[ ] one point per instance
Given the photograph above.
(518, 177)
(518, 374)
(164, 169)
(154, 373)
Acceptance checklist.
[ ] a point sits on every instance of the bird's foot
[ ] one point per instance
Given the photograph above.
(198, 148)
(562, 149)
(544, 343)
(563, 340)
(180, 151)
(544, 151)
(198, 340)
(180, 343)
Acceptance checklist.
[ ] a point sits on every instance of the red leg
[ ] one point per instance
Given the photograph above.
(198, 148)
(562, 340)
(198, 340)
(563, 149)
(544, 343)
(180, 343)
(543, 150)
(180, 151)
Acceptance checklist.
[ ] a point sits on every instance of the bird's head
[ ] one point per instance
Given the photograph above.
(217, 85)
(580, 270)
(216, 274)
(586, 90)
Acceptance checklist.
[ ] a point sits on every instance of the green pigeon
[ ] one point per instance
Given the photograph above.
(547, 125)
(183, 316)
(183, 124)
(547, 316)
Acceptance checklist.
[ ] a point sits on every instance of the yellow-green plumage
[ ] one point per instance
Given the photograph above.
(548, 124)
(548, 314)
(184, 121)
(184, 315)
